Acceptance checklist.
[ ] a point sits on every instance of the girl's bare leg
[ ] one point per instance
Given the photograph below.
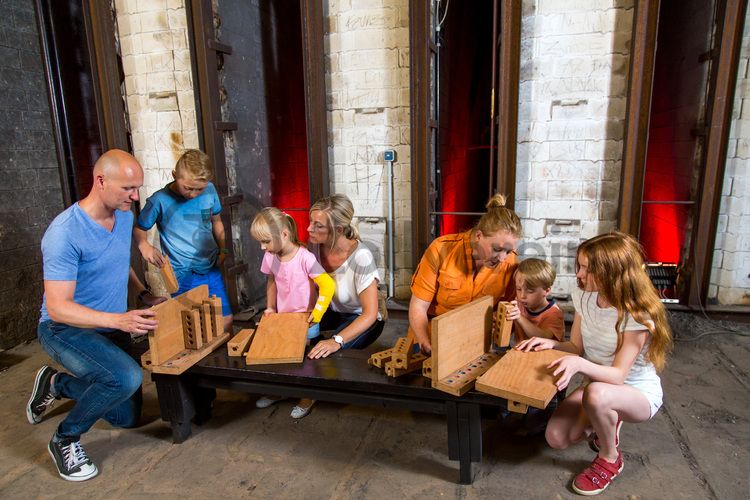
(604, 403)
(569, 423)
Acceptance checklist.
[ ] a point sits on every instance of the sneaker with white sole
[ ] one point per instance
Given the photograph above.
(41, 398)
(266, 401)
(302, 409)
(72, 462)
(598, 476)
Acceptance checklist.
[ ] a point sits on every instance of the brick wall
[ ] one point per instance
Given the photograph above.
(367, 58)
(730, 274)
(30, 195)
(159, 90)
(572, 98)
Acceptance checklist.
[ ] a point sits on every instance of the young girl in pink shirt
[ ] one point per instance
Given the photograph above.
(293, 273)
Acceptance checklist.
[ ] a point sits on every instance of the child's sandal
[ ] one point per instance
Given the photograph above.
(597, 477)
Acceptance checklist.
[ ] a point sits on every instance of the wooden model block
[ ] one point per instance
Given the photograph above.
(379, 359)
(502, 328)
(167, 274)
(522, 377)
(460, 345)
(402, 352)
(517, 407)
(167, 340)
(239, 343)
(415, 363)
(167, 351)
(204, 309)
(217, 316)
(191, 329)
(279, 338)
(427, 368)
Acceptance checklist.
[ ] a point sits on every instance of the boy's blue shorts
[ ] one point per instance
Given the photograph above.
(215, 284)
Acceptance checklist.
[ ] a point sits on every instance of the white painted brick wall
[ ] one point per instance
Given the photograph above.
(367, 47)
(158, 90)
(573, 91)
(730, 273)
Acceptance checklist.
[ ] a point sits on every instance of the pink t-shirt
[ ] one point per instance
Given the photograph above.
(295, 292)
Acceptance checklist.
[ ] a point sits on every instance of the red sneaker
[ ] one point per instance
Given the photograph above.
(597, 476)
(594, 443)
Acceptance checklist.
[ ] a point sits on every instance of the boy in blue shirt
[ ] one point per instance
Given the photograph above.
(186, 213)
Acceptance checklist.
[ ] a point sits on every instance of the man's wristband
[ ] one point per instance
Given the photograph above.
(223, 250)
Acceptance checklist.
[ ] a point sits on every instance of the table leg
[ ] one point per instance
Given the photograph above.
(176, 403)
(464, 437)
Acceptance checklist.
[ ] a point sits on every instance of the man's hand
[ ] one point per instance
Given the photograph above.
(151, 254)
(136, 321)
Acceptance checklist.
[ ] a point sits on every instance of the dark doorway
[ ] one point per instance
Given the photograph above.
(464, 65)
(464, 124)
(262, 100)
(684, 60)
(675, 142)
(72, 92)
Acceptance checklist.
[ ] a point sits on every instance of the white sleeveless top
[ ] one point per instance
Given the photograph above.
(600, 341)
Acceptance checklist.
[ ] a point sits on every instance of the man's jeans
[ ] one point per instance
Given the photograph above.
(104, 380)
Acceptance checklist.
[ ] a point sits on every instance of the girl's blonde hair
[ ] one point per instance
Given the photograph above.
(194, 164)
(499, 218)
(616, 263)
(270, 222)
(340, 212)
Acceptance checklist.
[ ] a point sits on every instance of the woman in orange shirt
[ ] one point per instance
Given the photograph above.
(458, 268)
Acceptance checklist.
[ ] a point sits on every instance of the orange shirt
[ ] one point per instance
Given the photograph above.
(550, 319)
(445, 276)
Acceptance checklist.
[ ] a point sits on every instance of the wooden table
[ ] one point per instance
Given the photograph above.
(343, 377)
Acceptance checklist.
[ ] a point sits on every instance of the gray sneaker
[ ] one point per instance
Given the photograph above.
(41, 395)
(72, 462)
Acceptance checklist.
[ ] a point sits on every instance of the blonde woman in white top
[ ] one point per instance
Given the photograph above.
(353, 314)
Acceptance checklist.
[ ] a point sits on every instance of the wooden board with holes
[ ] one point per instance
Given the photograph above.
(167, 340)
(169, 277)
(462, 380)
(522, 377)
(279, 338)
(184, 359)
(460, 336)
(502, 328)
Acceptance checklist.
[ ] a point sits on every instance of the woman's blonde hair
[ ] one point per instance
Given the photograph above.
(194, 164)
(270, 222)
(499, 218)
(616, 263)
(339, 213)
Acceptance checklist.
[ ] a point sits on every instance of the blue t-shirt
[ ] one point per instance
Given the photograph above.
(75, 248)
(184, 226)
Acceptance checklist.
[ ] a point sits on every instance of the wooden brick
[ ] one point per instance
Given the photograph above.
(191, 329)
(502, 327)
(167, 274)
(240, 342)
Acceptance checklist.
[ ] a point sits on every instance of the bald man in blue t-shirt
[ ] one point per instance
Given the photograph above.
(86, 254)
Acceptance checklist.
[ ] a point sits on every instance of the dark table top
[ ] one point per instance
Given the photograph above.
(345, 370)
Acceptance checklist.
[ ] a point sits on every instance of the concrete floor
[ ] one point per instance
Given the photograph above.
(698, 445)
